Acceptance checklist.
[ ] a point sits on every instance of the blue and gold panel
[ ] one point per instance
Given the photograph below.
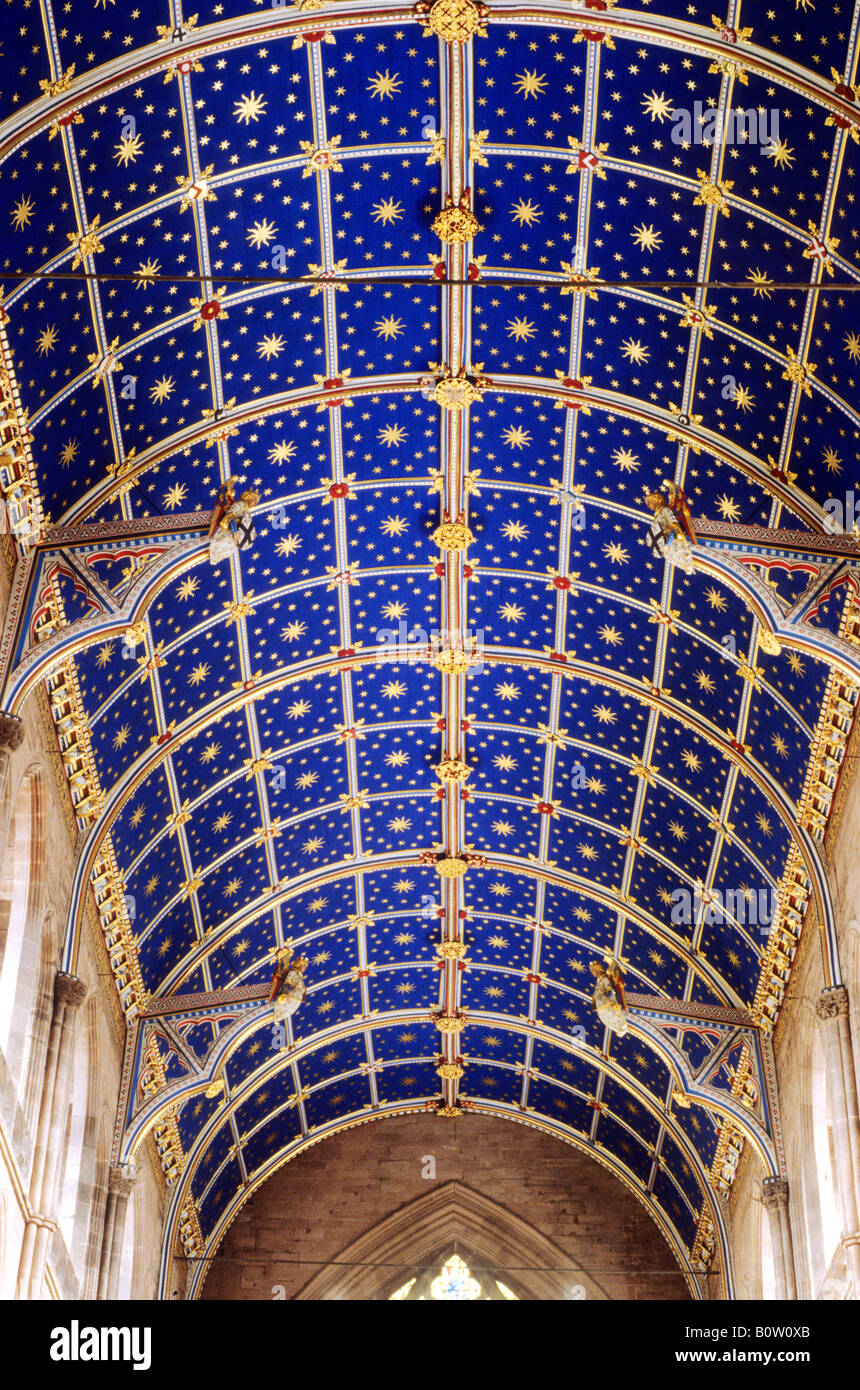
(404, 986)
(497, 991)
(407, 1080)
(269, 1137)
(492, 1044)
(623, 1141)
(577, 913)
(498, 1083)
(417, 1038)
(494, 938)
(345, 1055)
(344, 1095)
(561, 1103)
(499, 822)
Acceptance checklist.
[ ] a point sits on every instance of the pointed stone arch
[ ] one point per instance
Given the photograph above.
(425, 1231)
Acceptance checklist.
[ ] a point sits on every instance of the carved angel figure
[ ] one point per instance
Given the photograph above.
(608, 997)
(667, 536)
(288, 989)
(232, 526)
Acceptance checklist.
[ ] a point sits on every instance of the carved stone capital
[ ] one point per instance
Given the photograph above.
(832, 1003)
(11, 731)
(774, 1194)
(121, 1178)
(69, 990)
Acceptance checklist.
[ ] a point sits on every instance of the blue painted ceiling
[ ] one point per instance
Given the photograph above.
(276, 853)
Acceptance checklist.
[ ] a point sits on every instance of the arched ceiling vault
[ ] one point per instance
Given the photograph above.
(225, 258)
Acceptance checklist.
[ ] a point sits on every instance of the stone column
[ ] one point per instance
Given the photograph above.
(120, 1183)
(832, 1011)
(48, 1153)
(774, 1196)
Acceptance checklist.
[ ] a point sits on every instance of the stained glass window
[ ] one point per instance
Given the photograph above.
(454, 1283)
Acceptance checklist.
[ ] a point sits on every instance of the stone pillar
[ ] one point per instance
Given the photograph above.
(774, 1196)
(832, 1011)
(120, 1184)
(48, 1152)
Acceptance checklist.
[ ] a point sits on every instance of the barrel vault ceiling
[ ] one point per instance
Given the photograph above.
(219, 259)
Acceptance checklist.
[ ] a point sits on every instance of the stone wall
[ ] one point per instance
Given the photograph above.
(31, 777)
(317, 1205)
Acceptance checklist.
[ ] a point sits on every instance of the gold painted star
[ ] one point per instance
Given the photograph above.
(199, 673)
(716, 599)
(627, 462)
(129, 147)
(384, 84)
(249, 108)
(22, 213)
(521, 330)
(293, 631)
(832, 459)
(174, 495)
(616, 553)
(852, 346)
(604, 715)
(120, 738)
(506, 690)
(781, 154)
(693, 761)
(646, 238)
(391, 435)
(610, 635)
(659, 108)
(728, 508)
(525, 213)
(260, 233)
(516, 437)
(146, 272)
(269, 346)
(188, 588)
(387, 211)
(162, 390)
(634, 351)
(389, 327)
(515, 530)
(282, 452)
(47, 340)
(530, 84)
(763, 286)
(512, 613)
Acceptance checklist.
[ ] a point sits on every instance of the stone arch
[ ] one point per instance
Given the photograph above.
(22, 895)
(424, 1231)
